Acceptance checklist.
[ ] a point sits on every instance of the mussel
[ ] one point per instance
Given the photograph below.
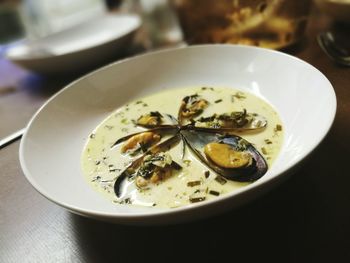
(239, 120)
(191, 106)
(145, 165)
(230, 156)
(153, 118)
(140, 141)
(155, 168)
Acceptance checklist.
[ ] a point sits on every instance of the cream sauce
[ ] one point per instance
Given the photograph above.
(101, 163)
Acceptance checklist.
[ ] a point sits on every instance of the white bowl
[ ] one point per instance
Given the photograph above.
(50, 150)
(77, 48)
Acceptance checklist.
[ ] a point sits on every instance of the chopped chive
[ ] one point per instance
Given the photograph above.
(212, 192)
(218, 101)
(126, 201)
(193, 183)
(124, 121)
(221, 180)
(96, 178)
(239, 95)
(267, 141)
(206, 174)
(187, 162)
(197, 199)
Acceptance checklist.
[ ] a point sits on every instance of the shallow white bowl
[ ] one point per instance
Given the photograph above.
(77, 48)
(50, 150)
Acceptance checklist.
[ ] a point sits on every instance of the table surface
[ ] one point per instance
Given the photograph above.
(304, 219)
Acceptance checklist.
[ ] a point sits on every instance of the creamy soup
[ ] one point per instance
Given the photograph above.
(187, 179)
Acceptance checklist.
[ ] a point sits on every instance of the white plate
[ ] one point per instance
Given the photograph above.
(51, 148)
(77, 48)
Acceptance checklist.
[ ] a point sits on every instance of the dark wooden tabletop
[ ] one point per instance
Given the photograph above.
(304, 219)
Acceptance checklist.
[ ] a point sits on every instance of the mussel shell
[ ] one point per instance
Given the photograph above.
(196, 140)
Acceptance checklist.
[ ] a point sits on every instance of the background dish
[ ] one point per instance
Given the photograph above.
(51, 148)
(80, 47)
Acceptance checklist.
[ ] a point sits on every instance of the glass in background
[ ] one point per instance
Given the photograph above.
(266, 23)
(160, 23)
(11, 27)
(45, 17)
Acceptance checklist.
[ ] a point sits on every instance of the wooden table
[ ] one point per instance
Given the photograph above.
(305, 219)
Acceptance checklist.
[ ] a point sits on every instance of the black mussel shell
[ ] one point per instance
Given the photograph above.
(196, 140)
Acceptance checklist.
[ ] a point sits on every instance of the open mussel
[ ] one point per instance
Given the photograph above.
(237, 120)
(191, 106)
(229, 155)
(150, 119)
(154, 165)
(141, 141)
(155, 168)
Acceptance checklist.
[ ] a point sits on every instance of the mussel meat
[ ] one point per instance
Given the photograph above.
(229, 155)
(155, 168)
(151, 119)
(191, 106)
(225, 156)
(140, 141)
(150, 155)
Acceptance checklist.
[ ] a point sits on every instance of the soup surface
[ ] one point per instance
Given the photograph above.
(192, 180)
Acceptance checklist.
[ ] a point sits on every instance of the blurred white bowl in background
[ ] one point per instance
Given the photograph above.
(80, 47)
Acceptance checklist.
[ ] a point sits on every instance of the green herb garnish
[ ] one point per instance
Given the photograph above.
(221, 180)
(193, 183)
(212, 192)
